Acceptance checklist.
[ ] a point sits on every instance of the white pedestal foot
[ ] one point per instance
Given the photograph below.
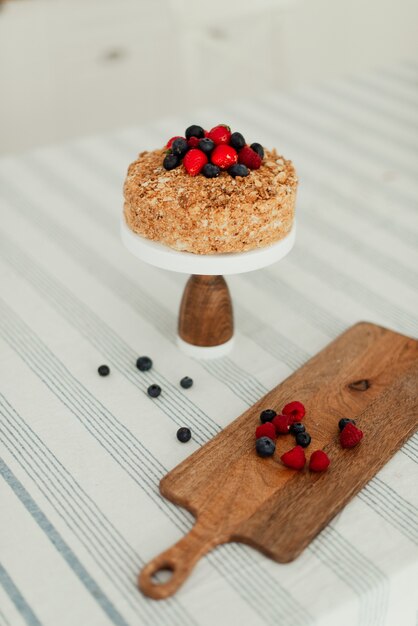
(202, 352)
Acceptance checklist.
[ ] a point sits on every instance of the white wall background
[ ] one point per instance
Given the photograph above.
(73, 67)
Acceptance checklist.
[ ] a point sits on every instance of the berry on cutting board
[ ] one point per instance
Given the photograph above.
(267, 415)
(319, 461)
(238, 170)
(265, 430)
(344, 421)
(294, 458)
(237, 141)
(303, 439)
(265, 446)
(194, 131)
(350, 436)
(171, 161)
(220, 134)
(194, 161)
(210, 170)
(296, 428)
(257, 147)
(224, 156)
(281, 424)
(295, 410)
(249, 158)
(179, 147)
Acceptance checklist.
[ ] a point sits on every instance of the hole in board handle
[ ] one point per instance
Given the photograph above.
(162, 575)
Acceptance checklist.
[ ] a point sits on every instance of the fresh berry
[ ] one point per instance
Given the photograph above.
(193, 142)
(210, 170)
(186, 382)
(179, 147)
(267, 415)
(144, 363)
(303, 439)
(248, 157)
(103, 370)
(224, 156)
(350, 436)
(194, 131)
(319, 461)
(344, 421)
(257, 147)
(295, 410)
(171, 161)
(237, 141)
(170, 141)
(296, 428)
(194, 161)
(220, 134)
(238, 170)
(265, 430)
(184, 434)
(206, 145)
(281, 424)
(265, 446)
(294, 458)
(154, 391)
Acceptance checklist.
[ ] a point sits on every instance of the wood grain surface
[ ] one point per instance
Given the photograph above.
(205, 317)
(370, 374)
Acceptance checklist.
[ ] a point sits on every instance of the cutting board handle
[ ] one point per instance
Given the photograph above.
(178, 560)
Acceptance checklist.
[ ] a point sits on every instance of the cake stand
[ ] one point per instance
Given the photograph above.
(205, 325)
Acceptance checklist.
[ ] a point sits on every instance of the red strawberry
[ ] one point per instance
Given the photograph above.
(350, 436)
(265, 430)
(281, 424)
(193, 142)
(295, 411)
(247, 156)
(206, 133)
(220, 134)
(224, 156)
(170, 141)
(194, 161)
(319, 461)
(294, 458)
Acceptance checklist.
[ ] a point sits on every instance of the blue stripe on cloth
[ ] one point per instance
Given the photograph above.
(17, 598)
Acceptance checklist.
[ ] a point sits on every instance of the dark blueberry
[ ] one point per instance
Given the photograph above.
(195, 131)
(171, 161)
(303, 439)
(210, 170)
(184, 434)
(265, 446)
(239, 169)
(237, 141)
(257, 147)
(296, 427)
(186, 382)
(179, 147)
(206, 145)
(154, 391)
(104, 370)
(344, 421)
(267, 415)
(144, 363)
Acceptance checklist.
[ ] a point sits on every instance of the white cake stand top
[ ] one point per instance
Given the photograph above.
(166, 258)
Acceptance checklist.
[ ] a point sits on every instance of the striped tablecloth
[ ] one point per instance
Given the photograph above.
(83, 455)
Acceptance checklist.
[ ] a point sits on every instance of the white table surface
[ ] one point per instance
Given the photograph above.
(82, 455)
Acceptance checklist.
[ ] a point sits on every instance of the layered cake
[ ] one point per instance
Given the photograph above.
(210, 193)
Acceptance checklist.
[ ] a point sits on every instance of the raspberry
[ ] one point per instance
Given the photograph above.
(265, 430)
(350, 436)
(170, 141)
(220, 134)
(193, 142)
(194, 161)
(319, 461)
(224, 156)
(295, 411)
(281, 424)
(294, 458)
(248, 157)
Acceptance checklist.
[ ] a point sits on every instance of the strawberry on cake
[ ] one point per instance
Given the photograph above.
(211, 192)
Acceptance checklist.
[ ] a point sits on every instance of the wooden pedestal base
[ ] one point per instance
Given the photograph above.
(206, 318)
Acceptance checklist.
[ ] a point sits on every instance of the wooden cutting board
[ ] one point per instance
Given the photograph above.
(369, 374)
